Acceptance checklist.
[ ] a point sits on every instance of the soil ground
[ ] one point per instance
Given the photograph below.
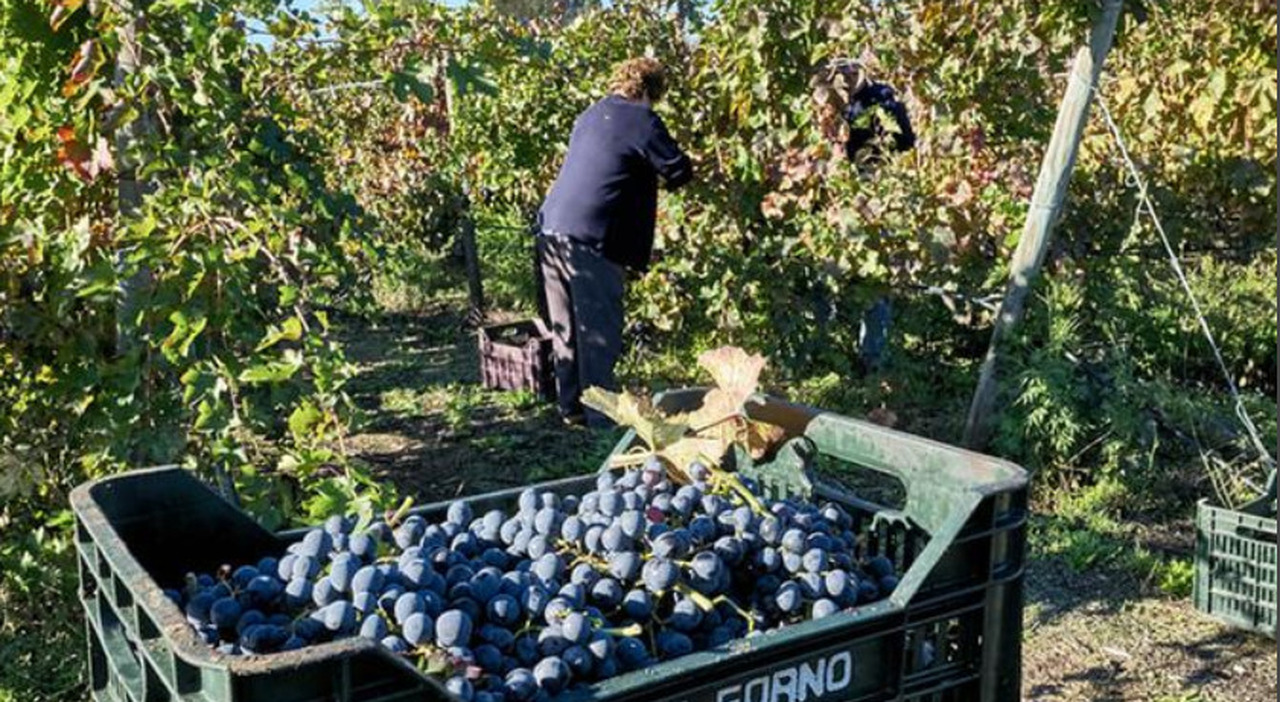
(1090, 635)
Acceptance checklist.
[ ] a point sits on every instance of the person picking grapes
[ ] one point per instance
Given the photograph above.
(597, 221)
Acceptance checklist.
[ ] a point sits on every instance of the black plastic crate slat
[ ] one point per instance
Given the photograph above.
(951, 631)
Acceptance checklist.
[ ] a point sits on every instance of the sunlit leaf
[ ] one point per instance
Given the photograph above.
(291, 330)
(637, 412)
(271, 372)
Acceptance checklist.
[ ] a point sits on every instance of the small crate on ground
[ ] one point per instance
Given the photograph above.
(1236, 563)
(518, 356)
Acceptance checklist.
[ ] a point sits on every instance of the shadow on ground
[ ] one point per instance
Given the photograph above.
(1102, 635)
(428, 426)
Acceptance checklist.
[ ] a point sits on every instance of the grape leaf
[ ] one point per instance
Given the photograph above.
(760, 437)
(628, 409)
(710, 432)
(692, 448)
(736, 375)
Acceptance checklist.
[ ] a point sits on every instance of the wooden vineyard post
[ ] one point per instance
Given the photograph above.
(471, 258)
(1046, 205)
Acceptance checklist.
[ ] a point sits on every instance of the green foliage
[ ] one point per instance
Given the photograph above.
(266, 188)
(41, 627)
(1086, 530)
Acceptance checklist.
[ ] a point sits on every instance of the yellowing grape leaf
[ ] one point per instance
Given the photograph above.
(737, 376)
(707, 434)
(689, 449)
(639, 413)
(761, 437)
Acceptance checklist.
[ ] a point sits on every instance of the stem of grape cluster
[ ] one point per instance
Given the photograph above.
(751, 622)
(704, 603)
(394, 520)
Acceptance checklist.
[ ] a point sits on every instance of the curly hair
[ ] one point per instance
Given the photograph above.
(637, 78)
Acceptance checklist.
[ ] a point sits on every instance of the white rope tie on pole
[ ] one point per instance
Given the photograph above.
(1145, 203)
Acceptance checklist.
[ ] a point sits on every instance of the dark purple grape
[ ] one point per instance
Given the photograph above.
(579, 661)
(539, 546)
(823, 608)
(793, 541)
(573, 529)
(788, 598)
(839, 586)
(306, 567)
(573, 593)
(659, 575)
(526, 649)
(374, 627)
(521, 685)
(339, 617)
(367, 579)
(593, 538)
(548, 568)
(556, 610)
(685, 615)
(316, 543)
(263, 638)
(811, 584)
(551, 641)
(407, 604)
(499, 637)
(880, 567)
(632, 654)
(395, 644)
(418, 629)
(703, 529)
(583, 574)
(673, 644)
(297, 594)
(485, 584)
(197, 609)
(488, 657)
(535, 600)
(504, 610)
(815, 560)
(638, 605)
(453, 628)
(552, 674)
(625, 565)
(610, 504)
(460, 688)
(225, 612)
(365, 602)
(459, 513)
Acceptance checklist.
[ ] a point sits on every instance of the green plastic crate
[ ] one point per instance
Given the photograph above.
(1236, 563)
(951, 632)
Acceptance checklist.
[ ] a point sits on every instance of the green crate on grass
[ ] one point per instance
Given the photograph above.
(1236, 562)
(951, 632)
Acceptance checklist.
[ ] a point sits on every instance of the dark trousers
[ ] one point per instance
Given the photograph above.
(582, 293)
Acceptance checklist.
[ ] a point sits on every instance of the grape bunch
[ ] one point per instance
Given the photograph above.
(562, 590)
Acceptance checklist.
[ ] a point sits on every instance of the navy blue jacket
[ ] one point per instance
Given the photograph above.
(606, 195)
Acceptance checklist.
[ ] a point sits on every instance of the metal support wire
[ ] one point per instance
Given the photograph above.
(1144, 203)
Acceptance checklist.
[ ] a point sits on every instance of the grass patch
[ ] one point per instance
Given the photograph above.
(1083, 528)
